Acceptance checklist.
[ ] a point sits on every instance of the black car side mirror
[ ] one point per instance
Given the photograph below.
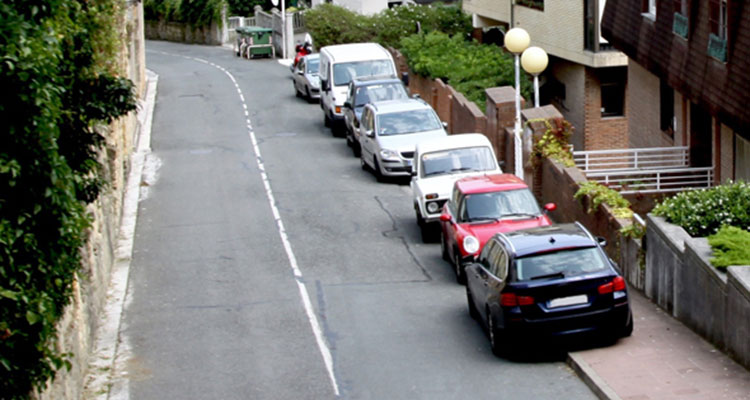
(347, 104)
(602, 241)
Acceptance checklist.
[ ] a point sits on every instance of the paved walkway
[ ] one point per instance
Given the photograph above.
(663, 360)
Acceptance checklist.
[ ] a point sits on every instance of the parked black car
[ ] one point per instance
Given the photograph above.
(361, 92)
(546, 282)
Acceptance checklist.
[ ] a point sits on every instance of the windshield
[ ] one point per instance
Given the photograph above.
(518, 203)
(458, 160)
(379, 92)
(397, 123)
(560, 264)
(343, 73)
(313, 65)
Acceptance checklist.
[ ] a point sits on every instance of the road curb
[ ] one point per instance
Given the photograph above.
(587, 374)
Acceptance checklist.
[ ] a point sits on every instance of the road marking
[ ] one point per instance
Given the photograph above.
(312, 318)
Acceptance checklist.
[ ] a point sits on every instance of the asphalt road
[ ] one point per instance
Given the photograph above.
(218, 307)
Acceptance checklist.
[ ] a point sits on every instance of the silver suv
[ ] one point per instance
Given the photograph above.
(389, 132)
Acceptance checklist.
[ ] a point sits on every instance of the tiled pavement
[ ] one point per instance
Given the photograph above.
(663, 360)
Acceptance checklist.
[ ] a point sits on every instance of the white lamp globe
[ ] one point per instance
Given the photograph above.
(517, 40)
(534, 60)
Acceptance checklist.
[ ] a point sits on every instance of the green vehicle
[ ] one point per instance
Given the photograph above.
(253, 41)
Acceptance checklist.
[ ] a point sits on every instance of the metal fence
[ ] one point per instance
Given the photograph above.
(622, 159)
(655, 180)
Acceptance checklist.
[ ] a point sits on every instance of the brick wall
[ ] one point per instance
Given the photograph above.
(726, 164)
(466, 117)
(601, 133)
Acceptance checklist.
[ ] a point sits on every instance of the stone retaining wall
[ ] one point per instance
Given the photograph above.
(78, 324)
(681, 280)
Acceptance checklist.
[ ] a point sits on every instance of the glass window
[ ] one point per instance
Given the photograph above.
(612, 83)
(457, 160)
(343, 73)
(397, 123)
(379, 92)
(563, 263)
(718, 18)
(666, 105)
(742, 159)
(518, 203)
(313, 66)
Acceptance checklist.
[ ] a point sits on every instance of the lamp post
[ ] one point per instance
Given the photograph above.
(516, 41)
(534, 60)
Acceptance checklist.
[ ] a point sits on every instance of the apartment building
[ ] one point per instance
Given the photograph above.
(688, 78)
(586, 77)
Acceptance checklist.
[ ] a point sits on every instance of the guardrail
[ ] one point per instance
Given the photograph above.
(626, 159)
(655, 180)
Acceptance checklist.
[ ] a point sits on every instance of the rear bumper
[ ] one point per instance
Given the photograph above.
(610, 320)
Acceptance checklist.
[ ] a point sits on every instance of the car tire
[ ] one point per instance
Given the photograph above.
(628, 329)
(458, 268)
(473, 313)
(308, 96)
(444, 247)
(496, 336)
(378, 174)
(356, 149)
(296, 91)
(326, 119)
(424, 228)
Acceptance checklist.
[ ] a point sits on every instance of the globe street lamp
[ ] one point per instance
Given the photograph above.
(534, 60)
(516, 41)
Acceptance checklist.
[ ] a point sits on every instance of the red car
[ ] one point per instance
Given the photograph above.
(481, 206)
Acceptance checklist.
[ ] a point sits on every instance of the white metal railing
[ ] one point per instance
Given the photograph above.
(655, 180)
(626, 159)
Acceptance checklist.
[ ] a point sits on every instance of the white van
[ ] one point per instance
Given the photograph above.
(341, 63)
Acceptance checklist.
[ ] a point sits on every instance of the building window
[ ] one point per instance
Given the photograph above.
(648, 7)
(612, 84)
(681, 21)
(535, 4)
(717, 39)
(666, 108)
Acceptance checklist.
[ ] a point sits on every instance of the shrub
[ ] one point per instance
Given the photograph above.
(731, 246)
(59, 65)
(599, 194)
(194, 12)
(702, 212)
(329, 25)
(554, 144)
(399, 22)
(467, 66)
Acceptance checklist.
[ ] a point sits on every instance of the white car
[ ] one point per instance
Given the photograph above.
(389, 132)
(438, 164)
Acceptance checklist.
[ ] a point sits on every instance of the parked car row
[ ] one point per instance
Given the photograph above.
(525, 276)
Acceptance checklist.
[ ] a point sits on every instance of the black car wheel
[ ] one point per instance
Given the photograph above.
(355, 148)
(628, 329)
(378, 174)
(496, 336)
(444, 247)
(472, 308)
(326, 120)
(460, 271)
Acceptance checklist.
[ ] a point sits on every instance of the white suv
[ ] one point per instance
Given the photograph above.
(438, 164)
(389, 132)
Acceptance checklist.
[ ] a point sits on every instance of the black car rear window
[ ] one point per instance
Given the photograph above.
(560, 264)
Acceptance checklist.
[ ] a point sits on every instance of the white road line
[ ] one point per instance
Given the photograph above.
(312, 318)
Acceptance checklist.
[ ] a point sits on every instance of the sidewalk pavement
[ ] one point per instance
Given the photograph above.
(663, 360)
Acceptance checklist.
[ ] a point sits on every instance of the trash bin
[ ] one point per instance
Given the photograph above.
(254, 41)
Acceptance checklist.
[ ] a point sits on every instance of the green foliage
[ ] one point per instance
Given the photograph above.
(635, 230)
(554, 144)
(57, 71)
(197, 13)
(599, 194)
(469, 67)
(399, 22)
(731, 246)
(329, 25)
(245, 8)
(702, 212)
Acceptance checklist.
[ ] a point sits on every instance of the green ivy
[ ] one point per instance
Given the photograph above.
(702, 212)
(554, 144)
(731, 246)
(196, 13)
(57, 71)
(599, 194)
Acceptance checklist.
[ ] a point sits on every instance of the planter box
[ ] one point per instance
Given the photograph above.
(681, 280)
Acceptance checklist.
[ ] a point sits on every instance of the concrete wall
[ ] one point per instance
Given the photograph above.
(642, 103)
(80, 319)
(681, 279)
(184, 33)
